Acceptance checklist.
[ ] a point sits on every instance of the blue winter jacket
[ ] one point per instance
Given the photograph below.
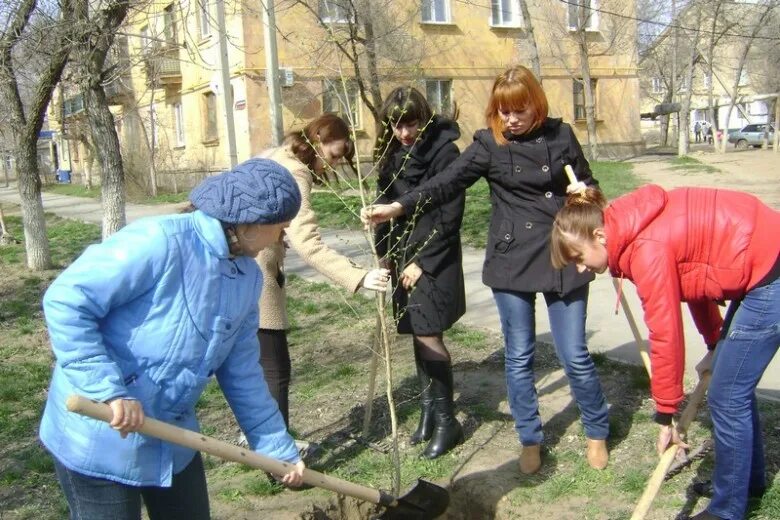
(152, 313)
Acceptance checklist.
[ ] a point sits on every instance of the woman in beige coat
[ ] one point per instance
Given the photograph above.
(306, 154)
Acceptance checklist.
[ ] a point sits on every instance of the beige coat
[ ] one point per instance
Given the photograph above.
(303, 235)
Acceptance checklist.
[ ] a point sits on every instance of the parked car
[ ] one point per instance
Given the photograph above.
(751, 135)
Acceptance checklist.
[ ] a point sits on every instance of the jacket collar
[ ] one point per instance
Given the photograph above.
(550, 123)
(211, 233)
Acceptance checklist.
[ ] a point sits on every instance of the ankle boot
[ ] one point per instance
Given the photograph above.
(597, 453)
(447, 432)
(425, 427)
(530, 459)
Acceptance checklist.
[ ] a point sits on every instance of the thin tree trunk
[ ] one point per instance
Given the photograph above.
(684, 137)
(531, 38)
(373, 71)
(759, 24)
(590, 102)
(777, 125)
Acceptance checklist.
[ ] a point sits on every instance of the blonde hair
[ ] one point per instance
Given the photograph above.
(514, 90)
(582, 214)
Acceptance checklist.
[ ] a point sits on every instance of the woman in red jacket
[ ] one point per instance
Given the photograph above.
(700, 246)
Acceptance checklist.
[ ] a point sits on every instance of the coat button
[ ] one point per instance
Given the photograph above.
(545, 168)
(518, 169)
(548, 194)
(539, 139)
(528, 225)
(507, 236)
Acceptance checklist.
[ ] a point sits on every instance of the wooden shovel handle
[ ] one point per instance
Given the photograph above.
(227, 451)
(658, 476)
(570, 173)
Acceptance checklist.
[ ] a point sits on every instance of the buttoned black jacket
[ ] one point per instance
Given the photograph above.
(527, 188)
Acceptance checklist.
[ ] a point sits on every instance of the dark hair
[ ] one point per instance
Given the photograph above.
(515, 89)
(403, 105)
(326, 128)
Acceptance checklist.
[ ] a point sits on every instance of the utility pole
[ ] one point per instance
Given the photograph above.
(272, 72)
(227, 94)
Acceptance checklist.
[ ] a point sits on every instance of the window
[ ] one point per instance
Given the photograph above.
(579, 97)
(143, 38)
(656, 85)
(436, 11)
(743, 78)
(204, 19)
(439, 95)
(210, 117)
(335, 11)
(684, 84)
(169, 25)
(178, 124)
(707, 80)
(346, 104)
(506, 13)
(589, 8)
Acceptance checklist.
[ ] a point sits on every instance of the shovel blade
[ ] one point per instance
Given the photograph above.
(425, 501)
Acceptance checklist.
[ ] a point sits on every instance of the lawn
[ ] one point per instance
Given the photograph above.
(329, 338)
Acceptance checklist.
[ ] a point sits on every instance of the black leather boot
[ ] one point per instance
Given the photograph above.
(425, 427)
(447, 432)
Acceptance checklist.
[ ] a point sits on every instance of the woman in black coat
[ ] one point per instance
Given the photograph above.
(423, 252)
(522, 156)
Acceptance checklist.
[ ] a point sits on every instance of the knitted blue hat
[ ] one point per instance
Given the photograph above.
(258, 191)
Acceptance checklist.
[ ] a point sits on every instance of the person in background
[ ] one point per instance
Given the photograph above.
(700, 246)
(309, 154)
(142, 321)
(424, 254)
(522, 155)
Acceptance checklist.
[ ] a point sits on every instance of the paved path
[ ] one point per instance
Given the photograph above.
(607, 333)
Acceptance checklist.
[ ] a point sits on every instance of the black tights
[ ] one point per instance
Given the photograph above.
(275, 360)
(431, 348)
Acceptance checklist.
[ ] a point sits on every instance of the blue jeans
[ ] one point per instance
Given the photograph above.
(740, 360)
(567, 322)
(92, 498)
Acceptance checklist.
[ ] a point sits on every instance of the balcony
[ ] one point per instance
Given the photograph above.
(118, 91)
(163, 66)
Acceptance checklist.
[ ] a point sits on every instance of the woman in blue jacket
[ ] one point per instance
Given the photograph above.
(141, 322)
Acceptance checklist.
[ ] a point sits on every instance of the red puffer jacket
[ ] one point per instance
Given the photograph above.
(694, 245)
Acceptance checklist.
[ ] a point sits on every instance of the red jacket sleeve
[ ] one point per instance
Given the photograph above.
(706, 316)
(654, 271)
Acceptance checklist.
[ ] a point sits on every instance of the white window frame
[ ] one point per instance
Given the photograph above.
(333, 100)
(334, 11)
(178, 125)
(498, 9)
(707, 81)
(143, 38)
(170, 28)
(430, 15)
(744, 78)
(656, 85)
(204, 18)
(592, 23)
(435, 98)
(578, 84)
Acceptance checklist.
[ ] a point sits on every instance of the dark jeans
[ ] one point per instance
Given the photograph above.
(275, 360)
(567, 323)
(740, 359)
(92, 498)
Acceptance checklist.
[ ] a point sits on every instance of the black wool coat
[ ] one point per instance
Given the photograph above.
(430, 238)
(527, 188)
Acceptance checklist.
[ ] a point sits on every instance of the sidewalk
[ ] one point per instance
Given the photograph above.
(607, 333)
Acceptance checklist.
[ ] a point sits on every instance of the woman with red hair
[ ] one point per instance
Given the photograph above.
(522, 157)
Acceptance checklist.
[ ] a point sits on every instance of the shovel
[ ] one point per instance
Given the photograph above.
(425, 501)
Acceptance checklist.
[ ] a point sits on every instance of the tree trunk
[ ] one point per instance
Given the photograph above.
(92, 46)
(590, 102)
(533, 50)
(36, 242)
(684, 136)
(777, 125)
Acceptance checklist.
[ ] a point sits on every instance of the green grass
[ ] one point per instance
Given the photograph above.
(616, 178)
(686, 164)
(78, 190)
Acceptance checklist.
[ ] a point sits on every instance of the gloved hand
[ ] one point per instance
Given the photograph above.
(376, 280)
(576, 187)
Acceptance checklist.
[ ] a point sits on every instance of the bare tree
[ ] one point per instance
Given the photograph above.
(684, 135)
(95, 30)
(29, 121)
(529, 41)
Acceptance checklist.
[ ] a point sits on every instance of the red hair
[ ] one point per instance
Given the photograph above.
(515, 89)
